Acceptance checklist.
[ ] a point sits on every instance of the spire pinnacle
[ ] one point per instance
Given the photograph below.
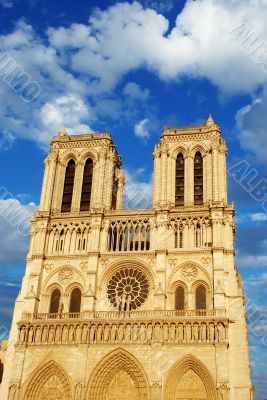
(210, 121)
(63, 132)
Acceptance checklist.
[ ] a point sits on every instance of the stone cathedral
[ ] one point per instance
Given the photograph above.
(131, 304)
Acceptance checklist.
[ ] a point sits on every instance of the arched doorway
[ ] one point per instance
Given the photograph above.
(189, 379)
(119, 376)
(48, 382)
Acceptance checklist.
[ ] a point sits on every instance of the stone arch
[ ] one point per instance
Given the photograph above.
(114, 267)
(89, 154)
(180, 149)
(106, 370)
(198, 148)
(176, 270)
(64, 159)
(49, 377)
(186, 364)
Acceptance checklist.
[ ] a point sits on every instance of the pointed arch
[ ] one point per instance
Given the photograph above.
(87, 185)
(50, 376)
(189, 363)
(198, 178)
(68, 186)
(104, 373)
(179, 180)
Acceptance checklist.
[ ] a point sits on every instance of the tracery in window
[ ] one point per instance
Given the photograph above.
(198, 178)
(179, 181)
(128, 289)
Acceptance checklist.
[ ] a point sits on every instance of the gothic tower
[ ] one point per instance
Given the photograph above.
(136, 304)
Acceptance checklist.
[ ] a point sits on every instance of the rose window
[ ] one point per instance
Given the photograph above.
(128, 289)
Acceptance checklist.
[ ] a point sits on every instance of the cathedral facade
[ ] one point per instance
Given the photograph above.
(136, 304)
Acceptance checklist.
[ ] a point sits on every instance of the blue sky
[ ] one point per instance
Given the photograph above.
(131, 68)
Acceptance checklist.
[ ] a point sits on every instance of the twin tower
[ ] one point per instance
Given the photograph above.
(136, 304)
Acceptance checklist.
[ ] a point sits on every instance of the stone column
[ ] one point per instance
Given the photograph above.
(157, 174)
(58, 188)
(189, 181)
(48, 182)
(215, 173)
(77, 187)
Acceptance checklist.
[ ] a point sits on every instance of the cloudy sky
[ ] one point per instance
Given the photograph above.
(131, 68)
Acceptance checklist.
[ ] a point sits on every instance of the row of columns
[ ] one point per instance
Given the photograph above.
(214, 176)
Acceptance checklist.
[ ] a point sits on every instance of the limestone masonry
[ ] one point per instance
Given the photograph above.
(132, 304)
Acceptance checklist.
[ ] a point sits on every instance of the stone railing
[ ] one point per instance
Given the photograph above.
(143, 327)
(116, 315)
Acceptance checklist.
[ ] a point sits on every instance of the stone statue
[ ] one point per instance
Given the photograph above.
(58, 334)
(120, 333)
(38, 335)
(84, 333)
(128, 303)
(180, 333)
(195, 332)
(65, 334)
(165, 333)
(172, 333)
(99, 334)
(71, 334)
(113, 333)
(149, 333)
(188, 332)
(60, 307)
(128, 331)
(31, 332)
(203, 332)
(44, 334)
(106, 333)
(135, 333)
(22, 336)
(51, 334)
(78, 334)
(92, 333)
(211, 332)
(123, 302)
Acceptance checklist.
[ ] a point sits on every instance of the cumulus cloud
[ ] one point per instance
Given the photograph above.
(251, 125)
(141, 129)
(138, 194)
(14, 228)
(258, 217)
(83, 64)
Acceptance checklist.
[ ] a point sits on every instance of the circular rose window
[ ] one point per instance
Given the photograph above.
(128, 289)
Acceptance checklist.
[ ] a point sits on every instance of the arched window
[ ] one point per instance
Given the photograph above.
(115, 187)
(198, 178)
(75, 301)
(68, 187)
(179, 180)
(1, 371)
(179, 298)
(201, 298)
(87, 185)
(54, 301)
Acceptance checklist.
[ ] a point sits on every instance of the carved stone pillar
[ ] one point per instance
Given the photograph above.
(48, 182)
(77, 188)
(157, 174)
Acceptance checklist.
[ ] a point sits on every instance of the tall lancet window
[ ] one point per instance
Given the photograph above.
(75, 301)
(198, 178)
(201, 298)
(179, 298)
(179, 180)
(115, 187)
(68, 187)
(87, 185)
(54, 301)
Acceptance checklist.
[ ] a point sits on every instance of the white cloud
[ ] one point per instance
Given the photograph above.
(137, 194)
(252, 261)
(251, 125)
(87, 61)
(259, 217)
(141, 129)
(6, 3)
(14, 228)
(133, 90)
